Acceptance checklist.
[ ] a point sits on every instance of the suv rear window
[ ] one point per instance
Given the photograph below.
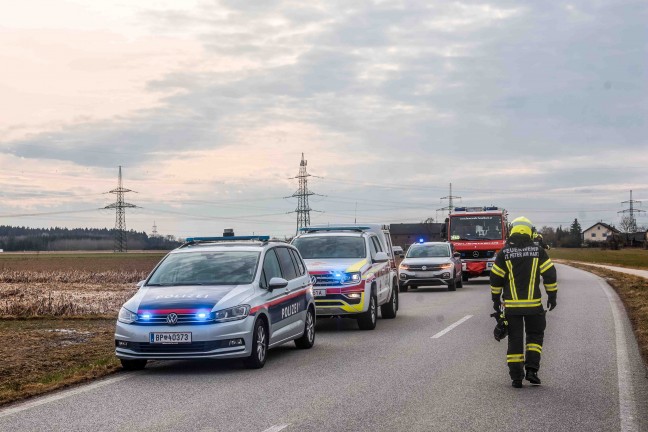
(314, 247)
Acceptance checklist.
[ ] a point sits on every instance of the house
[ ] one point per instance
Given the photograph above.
(599, 232)
(404, 235)
(636, 239)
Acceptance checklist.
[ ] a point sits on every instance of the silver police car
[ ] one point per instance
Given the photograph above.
(218, 297)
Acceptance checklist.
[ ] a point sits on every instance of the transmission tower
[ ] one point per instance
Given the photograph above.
(632, 210)
(450, 199)
(120, 215)
(303, 208)
(154, 233)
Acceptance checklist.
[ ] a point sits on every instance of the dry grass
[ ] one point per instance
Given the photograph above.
(633, 291)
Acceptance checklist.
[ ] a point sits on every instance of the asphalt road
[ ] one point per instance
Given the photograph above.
(399, 377)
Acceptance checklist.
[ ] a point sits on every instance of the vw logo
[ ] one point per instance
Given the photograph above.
(476, 254)
(172, 318)
(424, 268)
(313, 280)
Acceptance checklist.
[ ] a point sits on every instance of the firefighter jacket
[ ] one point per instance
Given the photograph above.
(516, 276)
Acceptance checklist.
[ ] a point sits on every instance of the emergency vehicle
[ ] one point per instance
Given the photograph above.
(477, 233)
(353, 271)
(218, 297)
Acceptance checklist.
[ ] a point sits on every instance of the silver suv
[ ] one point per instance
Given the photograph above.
(429, 264)
(218, 297)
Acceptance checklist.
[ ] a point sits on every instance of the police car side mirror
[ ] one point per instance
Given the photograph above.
(381, 257)
(277, 282)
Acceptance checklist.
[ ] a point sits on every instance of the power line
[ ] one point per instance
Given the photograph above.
(120, 206)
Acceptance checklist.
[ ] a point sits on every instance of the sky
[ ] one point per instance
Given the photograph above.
(537, 107)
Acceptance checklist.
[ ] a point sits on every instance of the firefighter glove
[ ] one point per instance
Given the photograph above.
(551, 302)
(497, 303)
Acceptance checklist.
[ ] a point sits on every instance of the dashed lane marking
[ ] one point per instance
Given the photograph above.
(451, 326)
(276, 428)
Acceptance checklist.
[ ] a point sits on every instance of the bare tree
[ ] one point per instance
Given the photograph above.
(628, 224)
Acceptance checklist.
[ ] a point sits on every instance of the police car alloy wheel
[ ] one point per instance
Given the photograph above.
(308, 338)
(390, 308)
(367, 320)
(259, 347)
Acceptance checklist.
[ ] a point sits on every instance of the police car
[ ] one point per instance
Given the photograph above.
(218, 297)
(353, 271)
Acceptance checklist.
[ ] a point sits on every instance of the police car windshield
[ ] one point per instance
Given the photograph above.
(206, 268)
(476, 227)
(331, 247)
(428, 251)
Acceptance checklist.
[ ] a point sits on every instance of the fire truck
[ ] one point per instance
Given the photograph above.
(477, 233)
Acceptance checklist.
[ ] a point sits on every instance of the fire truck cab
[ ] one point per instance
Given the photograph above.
(477, 233)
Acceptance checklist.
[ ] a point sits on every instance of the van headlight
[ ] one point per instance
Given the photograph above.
(232, 314)
(350, 278)
(125, 316)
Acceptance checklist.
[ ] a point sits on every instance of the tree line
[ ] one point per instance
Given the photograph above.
(62, 239)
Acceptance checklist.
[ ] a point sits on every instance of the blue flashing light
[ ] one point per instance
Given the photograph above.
(490, 208)
(460, 208)
(145, 316)
(233, 238)
(202, 315)
(421, 240)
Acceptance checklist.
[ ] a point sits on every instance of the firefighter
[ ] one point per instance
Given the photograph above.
(515, 277)
(537, 239)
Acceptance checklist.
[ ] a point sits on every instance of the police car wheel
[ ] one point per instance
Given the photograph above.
(388, 310)
(307, 340)
(367, 320)
(257, 357)
(131, 365)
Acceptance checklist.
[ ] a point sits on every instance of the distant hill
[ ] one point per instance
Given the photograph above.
(61, 239)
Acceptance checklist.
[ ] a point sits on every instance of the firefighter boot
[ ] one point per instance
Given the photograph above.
(516, 383)
(532, 377)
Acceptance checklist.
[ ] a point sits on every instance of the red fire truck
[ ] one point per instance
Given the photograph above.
(477, 233)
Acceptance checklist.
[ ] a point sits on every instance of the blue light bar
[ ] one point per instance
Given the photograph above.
(233, 238)
(335, 228)
(460, 208)
(490, 208)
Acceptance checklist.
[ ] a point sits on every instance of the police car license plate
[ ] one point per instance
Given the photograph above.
(319, 292)
(170, 338)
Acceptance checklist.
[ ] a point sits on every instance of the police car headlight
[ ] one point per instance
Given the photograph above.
(127, 317)
(232, 314)
(350, 278)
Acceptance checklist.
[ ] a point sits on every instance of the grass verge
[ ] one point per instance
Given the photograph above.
(48, 354)
(631, 258)
(633, 291)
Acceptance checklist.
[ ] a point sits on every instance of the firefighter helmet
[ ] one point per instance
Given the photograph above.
(522, 225)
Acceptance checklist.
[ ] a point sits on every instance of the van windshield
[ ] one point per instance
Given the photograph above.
(314, 247)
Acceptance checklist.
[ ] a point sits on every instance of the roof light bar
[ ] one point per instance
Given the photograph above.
(334, 228)
(233, 238)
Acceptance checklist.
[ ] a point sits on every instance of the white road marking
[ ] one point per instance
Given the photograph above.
(276, 428)
(63, 394)
(450, 327)
(627, 404)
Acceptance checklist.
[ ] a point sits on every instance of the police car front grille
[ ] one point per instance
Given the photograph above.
(149, 348)
(326, 280)
(161, 319)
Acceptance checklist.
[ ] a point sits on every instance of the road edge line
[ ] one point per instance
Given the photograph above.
(627, 404)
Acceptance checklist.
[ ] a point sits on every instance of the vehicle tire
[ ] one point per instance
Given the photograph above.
(259, 353)
(367, 320)
(133, 365)
(389, 309)
(460, 280)
(307, 340)
(452, 285)
(464, 277)
(403, 287)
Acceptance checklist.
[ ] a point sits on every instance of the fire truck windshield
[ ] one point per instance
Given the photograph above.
(474, 227)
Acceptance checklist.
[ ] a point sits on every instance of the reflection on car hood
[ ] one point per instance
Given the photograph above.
(336, 264)
(187, 299)
(426, 261)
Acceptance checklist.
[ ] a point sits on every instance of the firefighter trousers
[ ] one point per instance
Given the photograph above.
(534, 327)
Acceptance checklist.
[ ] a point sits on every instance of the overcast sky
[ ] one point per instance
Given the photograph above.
(539, 107)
